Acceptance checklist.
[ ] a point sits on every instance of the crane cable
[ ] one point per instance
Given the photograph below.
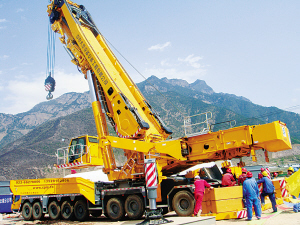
(182, 114)
(49, 81)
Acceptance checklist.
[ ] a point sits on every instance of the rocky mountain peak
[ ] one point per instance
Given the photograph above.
(174, 82)
(200, 85)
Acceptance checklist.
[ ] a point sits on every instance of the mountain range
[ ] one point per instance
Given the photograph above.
(28, 141)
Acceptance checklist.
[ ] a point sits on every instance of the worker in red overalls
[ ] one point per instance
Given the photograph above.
(228, 179)
(243, 176)
(199, 192)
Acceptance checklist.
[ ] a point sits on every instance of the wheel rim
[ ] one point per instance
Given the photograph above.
(67, 210)
(36, 210)
(27, 210)
(184, 204)
(114, 208)
(54, 210)
(133, 206)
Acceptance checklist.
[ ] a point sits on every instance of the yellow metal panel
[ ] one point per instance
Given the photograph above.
(227, 193)
(128, 144)
(172, 148)
(205, 146)
(276, 184)
(227, 205)
(272, 136)
(223, 216)
(52, 186)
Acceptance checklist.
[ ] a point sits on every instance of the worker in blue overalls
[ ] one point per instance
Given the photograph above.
(251, 194)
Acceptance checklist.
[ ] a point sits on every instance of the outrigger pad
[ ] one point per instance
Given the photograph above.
(154, 217)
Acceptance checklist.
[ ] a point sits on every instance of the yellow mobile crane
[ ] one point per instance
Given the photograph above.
(141, 134)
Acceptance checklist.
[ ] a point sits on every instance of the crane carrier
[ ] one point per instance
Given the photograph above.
(144, 183)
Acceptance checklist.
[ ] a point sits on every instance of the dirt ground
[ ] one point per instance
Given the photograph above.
(284, 216)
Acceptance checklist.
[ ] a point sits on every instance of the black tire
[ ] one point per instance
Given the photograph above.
(54, 210)
(67, 210)
(96, 213)
(37, 211)
(80, 210)
(183, 203)
(27, 211)
(115, 209)
(134, 207)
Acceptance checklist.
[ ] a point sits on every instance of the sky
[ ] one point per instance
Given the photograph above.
(246, 48)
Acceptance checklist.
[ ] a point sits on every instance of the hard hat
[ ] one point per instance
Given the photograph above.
(291, 169)
(249, 174)
(244, 170)
(197, 177)
(275, 174)
(265, 173)
(262, 169)
(228, 170)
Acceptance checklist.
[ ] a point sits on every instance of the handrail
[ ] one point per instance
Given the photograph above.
(189, 128)
(63, 154)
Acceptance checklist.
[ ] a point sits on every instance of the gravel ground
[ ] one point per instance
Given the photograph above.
(284, 216)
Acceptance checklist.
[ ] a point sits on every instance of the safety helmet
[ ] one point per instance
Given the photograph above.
(265, 173)
(197, 177)
(228, 170)
(291, 169)
(249, 174)
(275, 174)
(262, 169)
(244, 170)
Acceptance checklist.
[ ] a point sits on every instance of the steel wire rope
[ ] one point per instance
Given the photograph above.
(277, 111)
(50, 52)
(182, 114)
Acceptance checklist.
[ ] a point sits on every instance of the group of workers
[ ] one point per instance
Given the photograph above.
(250, 190)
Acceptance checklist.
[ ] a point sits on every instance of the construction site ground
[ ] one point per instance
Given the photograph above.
(285, 215)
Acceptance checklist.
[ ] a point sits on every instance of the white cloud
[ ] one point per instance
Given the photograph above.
(20, 10)
(2, 27)
(27, 64)
(3, 20)
(3, 57)
(192, 60)
(166, 62)
(159, 47)
(23, 93)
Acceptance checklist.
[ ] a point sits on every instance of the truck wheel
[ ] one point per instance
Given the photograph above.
(80, 210)
(27, 211)
(67, 210)
(134, 207)
(54, 210)
(37, 211)
(115, 209)
(183, 203)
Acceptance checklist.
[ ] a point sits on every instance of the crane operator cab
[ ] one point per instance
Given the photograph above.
(82, 152)
(77, 149)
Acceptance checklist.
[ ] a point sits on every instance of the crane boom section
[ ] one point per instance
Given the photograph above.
(131, 115)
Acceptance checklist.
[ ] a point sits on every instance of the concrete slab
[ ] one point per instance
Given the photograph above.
(177, 220)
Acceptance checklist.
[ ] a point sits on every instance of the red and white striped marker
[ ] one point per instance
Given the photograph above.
(260, 187)
(151, 179)
(68, 165)
(283, 188)
(269, 173)
(241, 214)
